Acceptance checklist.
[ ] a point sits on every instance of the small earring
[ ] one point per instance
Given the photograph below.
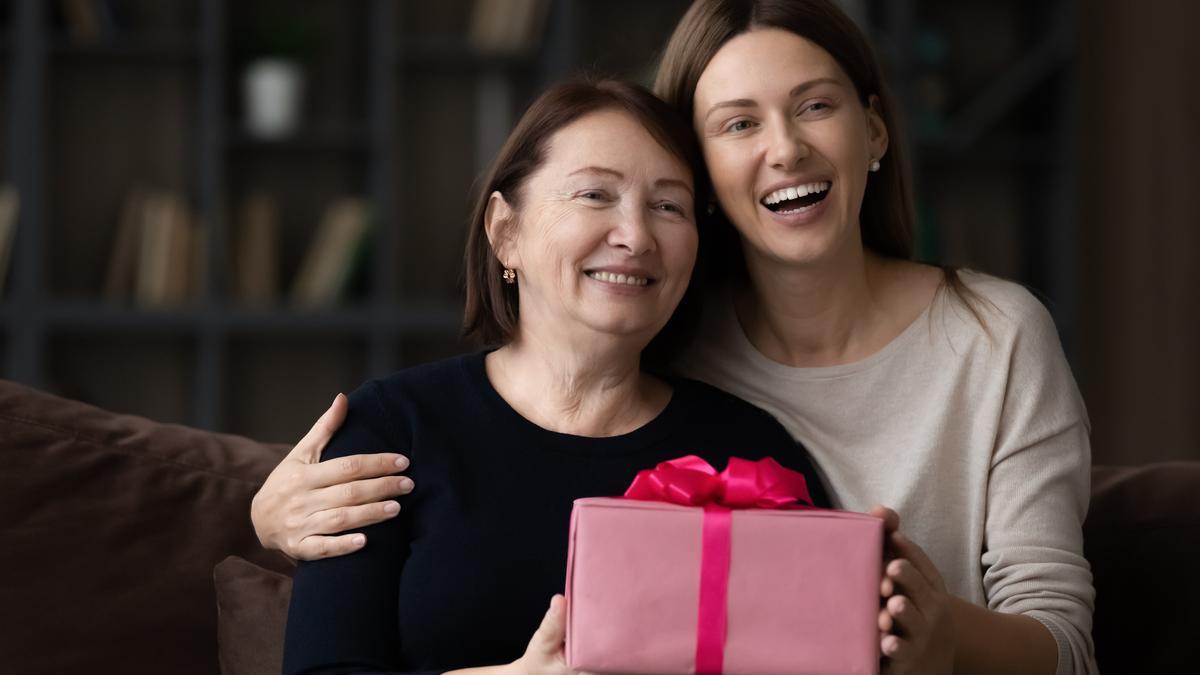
(510, 276)
(712, 208)
(874, 165)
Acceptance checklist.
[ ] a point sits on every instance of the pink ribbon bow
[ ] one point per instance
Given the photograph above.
(743, 484)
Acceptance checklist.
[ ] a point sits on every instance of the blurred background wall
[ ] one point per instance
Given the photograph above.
(221, 213)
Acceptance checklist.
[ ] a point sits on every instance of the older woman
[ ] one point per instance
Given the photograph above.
(943, 394)
(582, 246)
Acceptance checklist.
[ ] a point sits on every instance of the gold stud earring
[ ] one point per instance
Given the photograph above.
(510, 276)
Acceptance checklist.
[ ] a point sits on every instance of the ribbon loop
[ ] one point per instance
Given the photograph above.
(743, 484)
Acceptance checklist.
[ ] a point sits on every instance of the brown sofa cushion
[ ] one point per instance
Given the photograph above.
(1142, 537)
(111, 527)
(252, 605)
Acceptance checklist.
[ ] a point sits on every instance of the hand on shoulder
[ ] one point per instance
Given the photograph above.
(304, 502)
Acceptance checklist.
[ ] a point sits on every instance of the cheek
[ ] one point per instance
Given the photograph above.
(679, 247)
(726, 166)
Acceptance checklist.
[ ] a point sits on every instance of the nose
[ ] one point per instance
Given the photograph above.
(631, 231)
(785, 147)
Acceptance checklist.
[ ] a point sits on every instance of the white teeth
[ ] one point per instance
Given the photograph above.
(611, 278)
(795, 192)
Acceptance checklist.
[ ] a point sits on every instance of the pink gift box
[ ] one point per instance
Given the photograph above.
(802, 595)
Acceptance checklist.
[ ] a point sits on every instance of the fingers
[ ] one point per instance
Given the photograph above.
(903, 626)
(550, 635)
(907, 580)
(908, 621)
(342, 519)
(354, 493)
(308, 450)
(340, 471)
(317, 547)
(908, 549)
(896, 648)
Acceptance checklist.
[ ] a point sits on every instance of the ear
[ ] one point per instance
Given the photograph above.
(877, 131)
(499, 222)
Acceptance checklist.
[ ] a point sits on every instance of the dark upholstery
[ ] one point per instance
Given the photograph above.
(1142, 537)
(111, 527)
(252, 606)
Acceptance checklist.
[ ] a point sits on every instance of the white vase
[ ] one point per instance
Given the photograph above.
(273, 91)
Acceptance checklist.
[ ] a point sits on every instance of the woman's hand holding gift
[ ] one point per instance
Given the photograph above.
(917, 630)
(546, 653)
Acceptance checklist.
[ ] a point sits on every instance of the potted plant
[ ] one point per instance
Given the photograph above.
(275, 47)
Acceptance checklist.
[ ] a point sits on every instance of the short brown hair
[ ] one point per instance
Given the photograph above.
(492, 305)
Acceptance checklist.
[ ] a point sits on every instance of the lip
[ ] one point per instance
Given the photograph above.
(621, 289)
(627, 270)
(799, 180)
(803, 217)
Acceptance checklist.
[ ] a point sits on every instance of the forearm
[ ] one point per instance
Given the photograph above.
(995, 643)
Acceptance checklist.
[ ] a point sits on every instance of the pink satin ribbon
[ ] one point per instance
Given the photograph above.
(743, 484)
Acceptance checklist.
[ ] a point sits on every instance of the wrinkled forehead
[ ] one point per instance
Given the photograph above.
(617, 139)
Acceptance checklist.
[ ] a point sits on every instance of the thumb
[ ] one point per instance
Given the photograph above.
(891, 519)
(550, 635)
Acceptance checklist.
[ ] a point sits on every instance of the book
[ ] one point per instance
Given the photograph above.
(198, 272)
(256, 246)
(164, 251)
(10, 204)
(333, 253)
(506, 26)
(122, 262)
(182, 233)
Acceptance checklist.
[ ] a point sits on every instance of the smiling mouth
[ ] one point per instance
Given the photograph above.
(797, 197)
(626, 279)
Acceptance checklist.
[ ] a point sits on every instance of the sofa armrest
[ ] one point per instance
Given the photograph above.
(112, 525)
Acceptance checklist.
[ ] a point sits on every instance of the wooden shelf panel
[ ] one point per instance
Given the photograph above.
(328, 139)
(148, 49)
(426, 319)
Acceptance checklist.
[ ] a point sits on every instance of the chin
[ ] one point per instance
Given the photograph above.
(626, 327)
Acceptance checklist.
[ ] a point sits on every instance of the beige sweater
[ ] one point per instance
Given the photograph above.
(979, 442)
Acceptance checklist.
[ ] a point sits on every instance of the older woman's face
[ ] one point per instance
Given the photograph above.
(787, 143)
(605, 237)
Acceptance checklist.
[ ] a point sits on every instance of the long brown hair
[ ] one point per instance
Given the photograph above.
(886, 218)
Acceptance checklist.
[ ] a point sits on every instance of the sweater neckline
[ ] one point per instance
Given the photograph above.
(644, 437)
(742, 344)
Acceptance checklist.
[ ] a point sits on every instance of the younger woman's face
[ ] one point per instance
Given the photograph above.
(788, 145)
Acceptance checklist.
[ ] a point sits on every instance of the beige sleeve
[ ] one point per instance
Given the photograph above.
(1038, 495)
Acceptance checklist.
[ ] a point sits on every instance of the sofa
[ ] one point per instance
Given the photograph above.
(127, 548)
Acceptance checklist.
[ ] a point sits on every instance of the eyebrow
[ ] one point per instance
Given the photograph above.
(749, 103)
(620, 176)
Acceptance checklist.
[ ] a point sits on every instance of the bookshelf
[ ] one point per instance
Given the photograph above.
(990, 93)
(399, 110)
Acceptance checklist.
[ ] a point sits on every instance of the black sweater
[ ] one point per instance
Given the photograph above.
(462, 576)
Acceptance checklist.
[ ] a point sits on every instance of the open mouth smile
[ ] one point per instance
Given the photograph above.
(796, 198)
